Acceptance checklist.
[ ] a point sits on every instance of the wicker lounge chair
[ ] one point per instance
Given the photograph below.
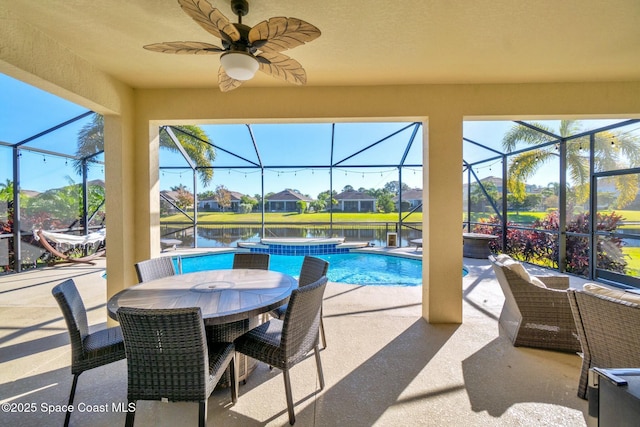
(257, 261)
(282, 344)
(608, 329)
(312, 269)
(168, 358)
(536, 311)
(155, 268)
(88, 350)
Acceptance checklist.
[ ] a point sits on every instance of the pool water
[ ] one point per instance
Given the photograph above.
(351, 268)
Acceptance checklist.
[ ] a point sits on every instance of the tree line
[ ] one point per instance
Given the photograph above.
(222, 196)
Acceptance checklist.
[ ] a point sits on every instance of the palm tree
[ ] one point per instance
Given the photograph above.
(194, 140)
(6, 191)
(625, 152)
(6, 207)
(554, 188)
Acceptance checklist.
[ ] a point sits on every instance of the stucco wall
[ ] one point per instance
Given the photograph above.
(36, 59)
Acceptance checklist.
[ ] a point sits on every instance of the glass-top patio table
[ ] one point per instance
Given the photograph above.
(231, 301)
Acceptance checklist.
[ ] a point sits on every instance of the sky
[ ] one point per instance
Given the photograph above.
(296, 155)
(26, 111)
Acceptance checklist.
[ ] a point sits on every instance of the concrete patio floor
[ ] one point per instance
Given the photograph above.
(384, 365)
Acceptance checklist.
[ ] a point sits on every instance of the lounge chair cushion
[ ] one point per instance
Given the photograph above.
(537, 282)
(502, 258)
(519, 269)
(612, 293)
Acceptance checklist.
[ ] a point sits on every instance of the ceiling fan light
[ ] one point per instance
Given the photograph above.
(239, 65)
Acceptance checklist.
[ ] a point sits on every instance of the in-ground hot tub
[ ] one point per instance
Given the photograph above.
(302, 246)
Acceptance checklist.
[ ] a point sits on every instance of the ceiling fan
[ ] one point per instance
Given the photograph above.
(245, 49)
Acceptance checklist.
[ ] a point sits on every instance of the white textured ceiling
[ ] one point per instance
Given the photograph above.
(363, 42)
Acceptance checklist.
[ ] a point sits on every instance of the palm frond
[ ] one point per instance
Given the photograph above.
(569, 127)
(197, 146)
(525, 165)
(627, 186)
(524, 134)
(91, 141)
(578, 170)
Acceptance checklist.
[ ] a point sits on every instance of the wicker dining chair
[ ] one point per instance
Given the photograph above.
(257, 261)
(608, 331)
(155, 268)
(88, 350)
(284, 343)
(168, 358)
(312, 269)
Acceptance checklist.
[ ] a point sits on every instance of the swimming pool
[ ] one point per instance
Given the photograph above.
(351, 268)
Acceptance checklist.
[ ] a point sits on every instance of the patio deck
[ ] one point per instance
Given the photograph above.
(384, 364)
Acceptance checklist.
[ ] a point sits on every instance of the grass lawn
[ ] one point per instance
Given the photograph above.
(627, 215)
(294, 217)
(523, 218)
(527, 218)
(633, 260)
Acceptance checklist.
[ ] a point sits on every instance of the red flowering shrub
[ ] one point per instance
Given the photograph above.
(531, 245)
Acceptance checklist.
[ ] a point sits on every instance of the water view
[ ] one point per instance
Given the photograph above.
(211, 236)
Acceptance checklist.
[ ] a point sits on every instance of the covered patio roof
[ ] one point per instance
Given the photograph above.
(363, 43)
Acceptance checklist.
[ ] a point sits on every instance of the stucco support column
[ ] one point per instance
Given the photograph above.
(442, 218)
(120, 221)
(147, 191)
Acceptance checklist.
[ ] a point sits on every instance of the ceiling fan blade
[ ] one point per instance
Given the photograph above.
(282, 67)
(197, 48)
(225, 82)
(211, 19)
(282, 33)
